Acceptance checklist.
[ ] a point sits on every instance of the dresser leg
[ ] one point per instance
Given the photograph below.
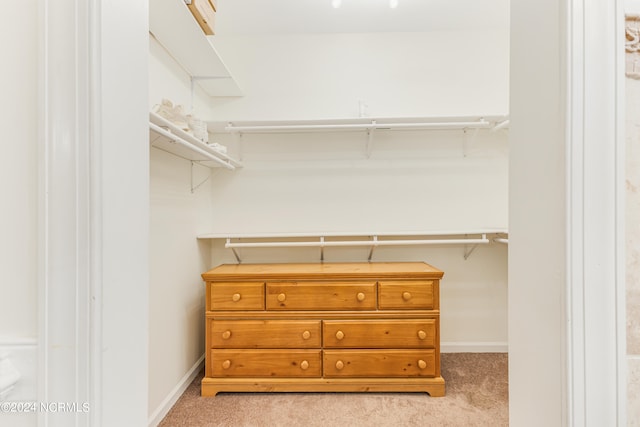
(436, 390)
(208, 390)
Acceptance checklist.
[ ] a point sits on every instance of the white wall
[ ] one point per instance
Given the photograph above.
(19, 173)
(176, 257)
(632, 7)
(122, 173)
(167, 79)
(315, 76)
(414, 181)
(537, 216)
(18, 217)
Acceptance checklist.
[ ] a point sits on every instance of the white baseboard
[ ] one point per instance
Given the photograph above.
(174, 395)
(474, 347)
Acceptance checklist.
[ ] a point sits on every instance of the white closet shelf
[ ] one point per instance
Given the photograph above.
(166, 136)
(468, 238)
(174, 27)
(363, 124)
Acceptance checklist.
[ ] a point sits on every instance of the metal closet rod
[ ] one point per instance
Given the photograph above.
(323, 244)
(178, 140)
(478, 124)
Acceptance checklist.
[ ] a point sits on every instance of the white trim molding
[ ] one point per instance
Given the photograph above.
(596, 393)
(65, 245)
(93, 208)
(474, 347)
(163, 409)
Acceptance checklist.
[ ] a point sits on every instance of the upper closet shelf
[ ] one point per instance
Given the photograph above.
(175, 28)
(166, 136)
(363, 124)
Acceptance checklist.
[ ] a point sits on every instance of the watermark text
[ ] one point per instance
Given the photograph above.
(48, 407)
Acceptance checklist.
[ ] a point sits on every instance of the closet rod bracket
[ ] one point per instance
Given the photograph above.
(370, 132)
(469, 141)
(238, 138)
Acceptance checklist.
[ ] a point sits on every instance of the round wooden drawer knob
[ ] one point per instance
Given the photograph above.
(339, 365)
(360, 296)
(304, 365)
(236, 297)
(226, 364)
(226, 335)
(422, 335)
(306, 335)
(339, 335)
(406, 296)
(282, 297)
(422, 364)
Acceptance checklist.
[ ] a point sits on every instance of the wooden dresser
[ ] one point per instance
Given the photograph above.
(327, 327)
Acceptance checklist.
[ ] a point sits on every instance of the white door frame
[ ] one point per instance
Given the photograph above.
(93, 211)
(595, 311)
(65, 245)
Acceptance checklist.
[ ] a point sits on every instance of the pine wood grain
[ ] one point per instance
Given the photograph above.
(266, 363)
(321, 296)
(323, 327)
(379, 363)
(236, 296)
(406, 295)
(265, 333)
(300, 271)
(380, 333)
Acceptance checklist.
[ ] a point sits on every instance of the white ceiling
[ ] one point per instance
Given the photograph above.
(243, 17)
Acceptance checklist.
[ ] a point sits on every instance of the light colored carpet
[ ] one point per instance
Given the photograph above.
(477, 395)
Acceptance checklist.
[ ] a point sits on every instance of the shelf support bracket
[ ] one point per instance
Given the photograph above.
(370, 138)
(234, 251)
(238, 138)
(469, 250)
(504, 125)
(374, 244)
(469, 140)
(196, 186)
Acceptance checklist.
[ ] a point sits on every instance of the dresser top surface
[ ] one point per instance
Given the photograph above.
(381, 270)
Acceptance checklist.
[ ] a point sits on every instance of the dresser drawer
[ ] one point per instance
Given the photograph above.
(379, 363)
(380, 333)
(266, 363)
(407, 295)
(321, 296)
(264, 333)
(236, 296)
